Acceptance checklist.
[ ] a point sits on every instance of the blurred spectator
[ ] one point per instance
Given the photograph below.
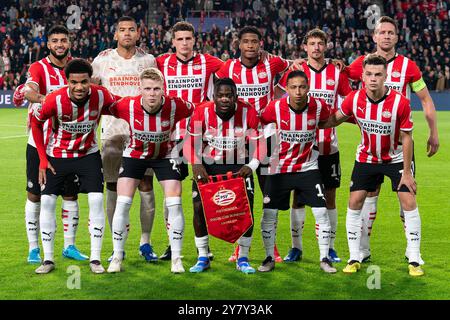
(424, 30)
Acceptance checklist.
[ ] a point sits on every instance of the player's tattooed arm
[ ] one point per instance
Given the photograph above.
(407, 175)
(32, 93)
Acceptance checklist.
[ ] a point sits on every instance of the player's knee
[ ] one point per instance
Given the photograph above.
(70, 198)
(408, 203)
(34, 197)
(111, 186)
(111, 149)
(146, 184)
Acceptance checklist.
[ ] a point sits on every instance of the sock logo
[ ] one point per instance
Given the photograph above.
(33, 223)
(48, 234)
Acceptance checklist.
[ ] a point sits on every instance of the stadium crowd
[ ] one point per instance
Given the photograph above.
(423, 37)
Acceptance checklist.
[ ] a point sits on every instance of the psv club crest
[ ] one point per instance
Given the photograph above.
(224, 197)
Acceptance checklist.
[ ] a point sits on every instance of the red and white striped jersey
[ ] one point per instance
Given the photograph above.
(150, 134)
(225, 141)
(255, 84)
(295, 150)
(403, 74)
(76, 126)
(326, 83)
(190, 80)
(380, 123)
(48, 77)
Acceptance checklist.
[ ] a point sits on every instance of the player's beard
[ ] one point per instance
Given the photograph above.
(61, 56)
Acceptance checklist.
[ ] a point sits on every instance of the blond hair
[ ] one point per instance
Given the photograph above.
(152, 74)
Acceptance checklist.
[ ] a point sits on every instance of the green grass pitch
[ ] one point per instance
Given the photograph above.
(302, 280)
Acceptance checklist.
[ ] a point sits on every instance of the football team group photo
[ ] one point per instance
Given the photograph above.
(225, 146)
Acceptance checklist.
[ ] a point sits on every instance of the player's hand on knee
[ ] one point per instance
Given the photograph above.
(432, 145)
(408, 181)
(199, 173)
(245, 172)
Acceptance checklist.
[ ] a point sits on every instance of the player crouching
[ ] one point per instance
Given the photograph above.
(223, 137)
(152, 117)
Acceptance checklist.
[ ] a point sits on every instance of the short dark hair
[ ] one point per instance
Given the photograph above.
(57, 29)
(295, 74)
(249, 29)
(78, 66)
(126, 18)
(182, 26)
(386, 19)
(374, 59)
(225, 82)
(315, 33)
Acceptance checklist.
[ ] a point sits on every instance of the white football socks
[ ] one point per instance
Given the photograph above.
(32, 210)
(70, 217)
(297, 222)
(323, 230)
(413, 234)
(332, 216)
(202, 245)
(353, 225)
(147, 215)
(268, 230)
(176, 225)
(47, 222)
(96, 224)
(111, 199)
(244, 246)
(121, 222)
(368, 215)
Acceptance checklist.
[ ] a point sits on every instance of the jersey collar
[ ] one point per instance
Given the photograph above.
(381, 99)
(163, 100)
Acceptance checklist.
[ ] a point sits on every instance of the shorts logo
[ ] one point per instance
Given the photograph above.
(93, 113)
(386, 114)
(311, 122)
(262, 75)
(42, 187)
(194, 194)
(266, 200)
(165, 123)
(351, 183)
(120, 170)
(197, 67)
(224, 197)
(30, 184)
(330, 82)
(396, 74)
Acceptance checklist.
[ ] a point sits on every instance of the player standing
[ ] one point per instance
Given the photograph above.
(224, 138)
(403, 75)
(254, 78)
(386, 149)
(45, 76)
(118, 70)
(72, 149)
(152, 117)
(187, 75)
(325, 82)
(294, 165)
